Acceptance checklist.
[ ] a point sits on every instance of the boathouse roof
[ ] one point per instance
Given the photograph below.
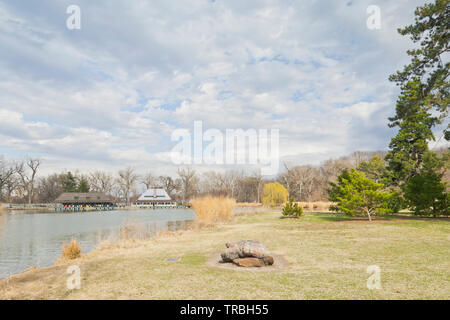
(83, 197)
(155, 194)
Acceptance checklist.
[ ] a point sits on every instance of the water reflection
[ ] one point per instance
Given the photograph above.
(36, 239)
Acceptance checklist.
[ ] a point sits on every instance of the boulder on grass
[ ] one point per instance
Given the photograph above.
(249, 262)
(247, 249)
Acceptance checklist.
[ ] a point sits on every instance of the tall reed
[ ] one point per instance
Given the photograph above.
(210, 210)
(1, 217)
(71, 251)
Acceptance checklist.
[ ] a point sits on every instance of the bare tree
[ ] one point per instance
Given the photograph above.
(359, 156)
(100, 181)
(11, 185)
(300, 181)
(50, 187)
(188, 183)
(258, 185)
(126, 181)
(247, 189)
(293, 181)
(213, 183)
(6, 174)
(332, 168)
(27, 171)
(149, 180)
(230, 182)
(170, 185)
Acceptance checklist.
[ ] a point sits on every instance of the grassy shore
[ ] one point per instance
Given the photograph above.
(327, 258)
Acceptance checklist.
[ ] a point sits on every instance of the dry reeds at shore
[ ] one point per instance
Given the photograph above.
(134, 230)
(210, 210)
(1, 217)
(71, 251)
(318, 206)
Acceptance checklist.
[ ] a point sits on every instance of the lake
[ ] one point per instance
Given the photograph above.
(36, 239)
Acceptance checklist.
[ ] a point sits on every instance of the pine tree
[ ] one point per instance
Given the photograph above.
(425, 91)
(415, 130)
(69, 184)
(425, 192)
(355, 194)
(428, 63)
(83, 185)
(374, 169)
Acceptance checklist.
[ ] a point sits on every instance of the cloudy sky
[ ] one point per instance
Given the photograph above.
(110, 94)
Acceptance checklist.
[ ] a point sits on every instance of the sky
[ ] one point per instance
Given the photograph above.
(110, 94)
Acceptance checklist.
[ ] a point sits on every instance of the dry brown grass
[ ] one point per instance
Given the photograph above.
(1, 217)
(248, 204)
(317, 206)
(134, 230)
(210, 210)
(71, 251)
(326, 259)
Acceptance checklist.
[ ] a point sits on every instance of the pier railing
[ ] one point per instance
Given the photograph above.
(83, 208)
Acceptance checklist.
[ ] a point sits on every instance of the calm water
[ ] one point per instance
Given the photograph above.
(36, 239)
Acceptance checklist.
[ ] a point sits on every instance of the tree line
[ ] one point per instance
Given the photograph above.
(21, 183)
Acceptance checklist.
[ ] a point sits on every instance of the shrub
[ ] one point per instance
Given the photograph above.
(426, 192)
(71, 250)
(274, 194)
(355, 194)
(292, 209)
(395, 203)
(210, 210)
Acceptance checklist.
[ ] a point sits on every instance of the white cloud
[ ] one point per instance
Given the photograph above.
(111, 93)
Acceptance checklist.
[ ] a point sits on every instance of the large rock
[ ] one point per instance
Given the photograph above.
(249, 262)
(236, 251)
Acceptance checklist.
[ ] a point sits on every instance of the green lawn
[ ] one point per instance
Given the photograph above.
(327, 258)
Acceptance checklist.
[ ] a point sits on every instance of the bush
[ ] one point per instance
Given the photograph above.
(274, 194)
(213, 209)
(355, 194)
(426, 192)
(71, 250)
(292, 209)
(395, 202)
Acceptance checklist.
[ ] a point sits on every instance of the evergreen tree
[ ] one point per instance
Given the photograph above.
(355, 194)
(425, 192)
(425, 91)
(69, 183)
(415, 130)
(375, 169)
(83, 186)
(292, 209)
(428, 62)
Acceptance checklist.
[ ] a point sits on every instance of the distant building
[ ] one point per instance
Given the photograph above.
(155, 197)
(91, 199)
